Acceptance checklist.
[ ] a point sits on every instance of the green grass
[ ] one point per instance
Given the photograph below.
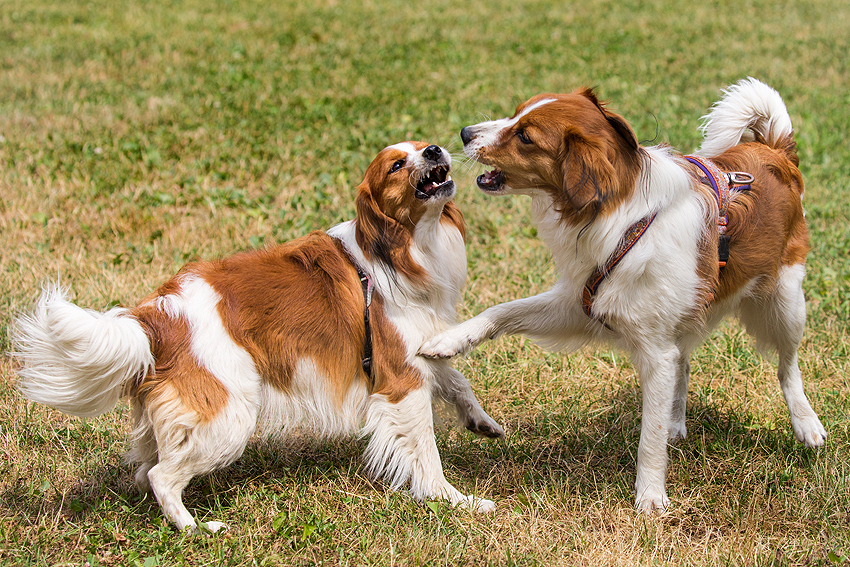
(136, 136)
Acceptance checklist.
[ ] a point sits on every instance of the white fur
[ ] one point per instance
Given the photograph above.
(78, 360)
(650, 296)
(487, 133)
(81, 362)
(748, 105)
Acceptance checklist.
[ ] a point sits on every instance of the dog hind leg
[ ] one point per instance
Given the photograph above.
(144, 449)
(777, 323)
(189, 446)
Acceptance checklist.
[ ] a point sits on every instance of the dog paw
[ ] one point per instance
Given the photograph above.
(649, 501)
(487, 428)
(809, 430)
(453, 342)
(446, 345)
(484, 506)
(479, 505)
(677, 432)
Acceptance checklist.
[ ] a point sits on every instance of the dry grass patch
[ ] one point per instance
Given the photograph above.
(134, 137)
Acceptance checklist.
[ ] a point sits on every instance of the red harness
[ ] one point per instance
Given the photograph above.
(632, 235)
(722, 183)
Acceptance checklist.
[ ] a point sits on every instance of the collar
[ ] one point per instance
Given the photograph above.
(629, 239)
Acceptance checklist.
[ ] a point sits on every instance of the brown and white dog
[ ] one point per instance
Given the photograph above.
(591, 183)
(275, 339)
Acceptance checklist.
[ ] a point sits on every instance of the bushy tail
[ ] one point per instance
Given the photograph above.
(77, 360)
(749, 108)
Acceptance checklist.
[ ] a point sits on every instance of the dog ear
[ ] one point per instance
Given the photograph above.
(588, 180)
(381, 238)
(617, 122)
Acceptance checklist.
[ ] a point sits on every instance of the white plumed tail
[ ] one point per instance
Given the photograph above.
(750, 106)
(77, 360)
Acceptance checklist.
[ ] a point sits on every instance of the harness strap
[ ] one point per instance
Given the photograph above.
(368, 288)
(630, 237)
(722, 183)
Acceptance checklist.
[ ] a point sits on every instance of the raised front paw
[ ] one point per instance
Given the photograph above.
(485, 427)
(447, 345)
(677, 432)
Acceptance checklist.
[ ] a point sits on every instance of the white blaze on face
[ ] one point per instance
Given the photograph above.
(405, 147)
(487, 133)
(415, 158)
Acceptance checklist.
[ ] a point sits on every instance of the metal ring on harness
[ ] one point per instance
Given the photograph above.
(740, 178)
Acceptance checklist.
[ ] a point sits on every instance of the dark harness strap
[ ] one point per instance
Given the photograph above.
(630, 238)
(723, 184)
(366, 361)
(368, 288)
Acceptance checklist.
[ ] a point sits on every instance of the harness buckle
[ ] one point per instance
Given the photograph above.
(723, 250)
(740, 178)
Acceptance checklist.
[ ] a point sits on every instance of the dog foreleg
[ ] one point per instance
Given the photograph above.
(402, 448)
(454, 388)
(548, 317)
(657, 368)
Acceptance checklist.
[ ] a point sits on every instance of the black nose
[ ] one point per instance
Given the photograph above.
(432, 153)
(466, 135)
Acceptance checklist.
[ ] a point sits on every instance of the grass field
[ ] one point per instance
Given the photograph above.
(135, 136)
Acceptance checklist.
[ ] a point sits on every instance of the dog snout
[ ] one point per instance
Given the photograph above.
(466, 135)
(433, 153)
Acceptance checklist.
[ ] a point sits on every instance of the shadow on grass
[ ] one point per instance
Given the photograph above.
(591, 451)
(595, 453)
(111, 487)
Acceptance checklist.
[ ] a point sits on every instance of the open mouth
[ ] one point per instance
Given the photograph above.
(435, 182)
(492, 180)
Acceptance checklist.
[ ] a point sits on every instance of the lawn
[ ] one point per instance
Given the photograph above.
(136, 136)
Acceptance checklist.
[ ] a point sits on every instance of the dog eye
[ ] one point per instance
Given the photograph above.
(397, 165)
(523, 137)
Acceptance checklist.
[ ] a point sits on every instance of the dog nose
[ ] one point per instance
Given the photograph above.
(466, 135)
(432, 153)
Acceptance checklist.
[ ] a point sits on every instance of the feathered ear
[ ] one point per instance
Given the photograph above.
(589, 180)
(617, 122)
(600, 168)
(381, 238)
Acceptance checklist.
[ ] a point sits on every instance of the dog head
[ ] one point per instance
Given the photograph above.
(407, 185)
(569, 145)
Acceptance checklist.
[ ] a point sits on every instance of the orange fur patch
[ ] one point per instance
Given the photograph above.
(298, 300)
(767, 229)
(199, 391)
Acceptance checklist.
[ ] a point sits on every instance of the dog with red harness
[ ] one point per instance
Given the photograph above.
(654, 248)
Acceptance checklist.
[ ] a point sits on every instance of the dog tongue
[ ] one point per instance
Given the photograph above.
(489, 176)
(491, 179)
